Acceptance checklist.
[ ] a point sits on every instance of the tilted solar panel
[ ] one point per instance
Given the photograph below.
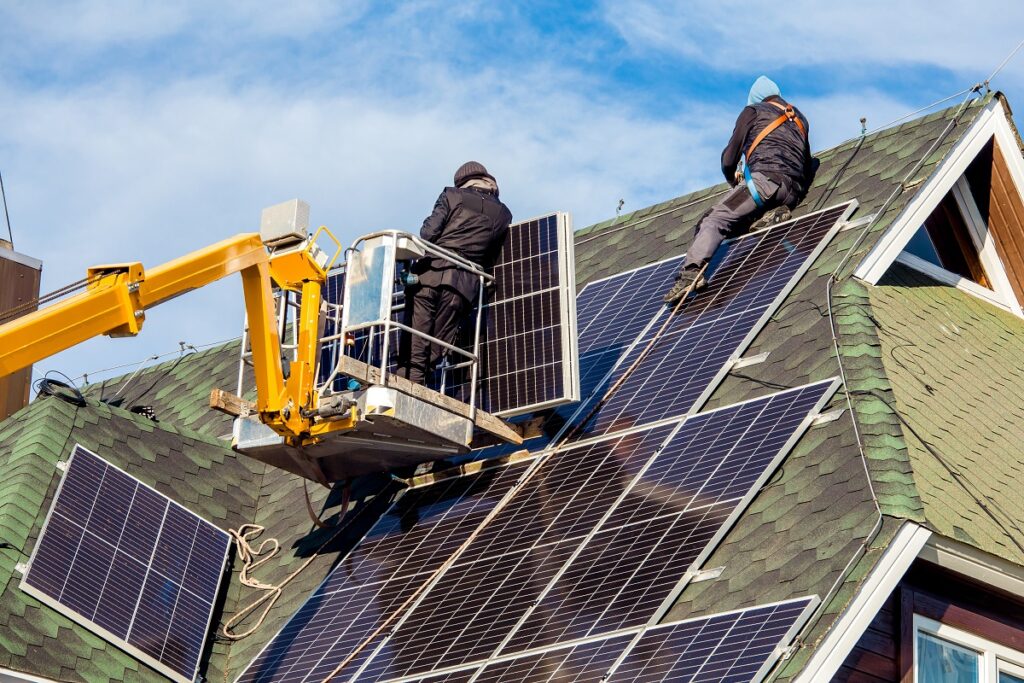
(528, 336)
(755, 274)
(736, 646)
(668, 521)
(129, 564)
(420, 532)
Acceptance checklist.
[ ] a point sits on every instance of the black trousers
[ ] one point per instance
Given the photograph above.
(434, 310)
(734, 214)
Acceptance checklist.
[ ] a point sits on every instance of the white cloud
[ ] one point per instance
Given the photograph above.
(129, 172)
(966, 38)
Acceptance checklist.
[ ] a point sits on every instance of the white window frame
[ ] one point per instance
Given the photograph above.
(995, 658)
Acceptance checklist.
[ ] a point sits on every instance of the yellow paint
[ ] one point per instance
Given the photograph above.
(117, 296)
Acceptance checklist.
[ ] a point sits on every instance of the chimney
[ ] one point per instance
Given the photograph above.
(19, 284)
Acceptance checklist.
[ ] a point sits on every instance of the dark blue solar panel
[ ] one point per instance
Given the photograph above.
(129, 563)
(581, 663)
(673, 510)
(422, 530)
(482, 597)
(691, 354)
(734, 647)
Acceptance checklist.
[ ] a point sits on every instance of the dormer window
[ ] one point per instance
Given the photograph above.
(965, 225)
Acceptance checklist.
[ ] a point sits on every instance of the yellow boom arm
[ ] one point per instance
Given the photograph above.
(117, 297)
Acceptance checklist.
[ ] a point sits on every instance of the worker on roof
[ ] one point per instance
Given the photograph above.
(471, 221)
(779, 169)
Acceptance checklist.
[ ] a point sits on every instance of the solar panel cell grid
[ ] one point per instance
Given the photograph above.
(578, 664)
(667, 519)
(413, 539)
(685, 361)
(740, 646)
(125, 559)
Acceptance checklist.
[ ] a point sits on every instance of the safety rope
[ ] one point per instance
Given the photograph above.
(33, 304)
(251, 558)
(636, 363)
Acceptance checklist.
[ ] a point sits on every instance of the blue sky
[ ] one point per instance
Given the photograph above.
(140, 131)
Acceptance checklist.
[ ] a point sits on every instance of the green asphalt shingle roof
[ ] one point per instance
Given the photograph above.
(907, 345)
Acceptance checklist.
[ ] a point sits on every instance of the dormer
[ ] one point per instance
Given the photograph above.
(965, 225)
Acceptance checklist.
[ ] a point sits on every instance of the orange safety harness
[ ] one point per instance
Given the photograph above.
(788, 114)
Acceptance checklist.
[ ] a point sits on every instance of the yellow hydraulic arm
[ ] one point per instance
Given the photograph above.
(117, 297)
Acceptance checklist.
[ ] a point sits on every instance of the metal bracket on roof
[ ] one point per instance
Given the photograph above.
(749, 360)
(859, 222)
(61, 465)
(21, 568)
(785, 653)
(706, 574)
(830, 416)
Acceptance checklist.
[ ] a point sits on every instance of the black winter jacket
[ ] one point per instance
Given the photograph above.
(473, 224)
(784, 155)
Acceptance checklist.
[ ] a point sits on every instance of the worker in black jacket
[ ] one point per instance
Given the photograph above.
(779, 169)
(471, 221)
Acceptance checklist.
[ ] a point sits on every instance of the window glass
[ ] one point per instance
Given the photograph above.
(1008, 678)
(920, 245)
(941, 662)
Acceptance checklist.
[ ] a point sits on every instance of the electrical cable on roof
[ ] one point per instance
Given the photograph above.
(65, 391)
(832, 279)
(7, 216)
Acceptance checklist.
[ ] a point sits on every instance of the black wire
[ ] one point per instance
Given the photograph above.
(65, 391)
(185, 353)
(985, 504)
(7, 216)
(6, 545)
(827, 192)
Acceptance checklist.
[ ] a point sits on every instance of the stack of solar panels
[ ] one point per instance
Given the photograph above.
(563, 566)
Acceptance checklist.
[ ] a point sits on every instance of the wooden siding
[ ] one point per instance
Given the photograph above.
(19, 283)
(1006, 221)
(884, 654)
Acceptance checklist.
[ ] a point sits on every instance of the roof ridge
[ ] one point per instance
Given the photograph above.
(22, 491)
(883, 442)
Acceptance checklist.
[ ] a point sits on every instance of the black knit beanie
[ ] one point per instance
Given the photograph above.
(470, 170)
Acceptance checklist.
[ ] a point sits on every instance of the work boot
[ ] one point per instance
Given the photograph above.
(777, 215)
(689, 279)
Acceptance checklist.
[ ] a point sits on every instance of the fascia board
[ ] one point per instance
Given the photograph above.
(941, 180)
(833, 650)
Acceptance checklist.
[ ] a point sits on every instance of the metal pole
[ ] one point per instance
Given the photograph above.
(476, 360)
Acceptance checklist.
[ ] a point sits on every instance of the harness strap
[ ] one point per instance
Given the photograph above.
(788, 114)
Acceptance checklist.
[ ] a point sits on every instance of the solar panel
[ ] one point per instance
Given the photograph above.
(754, 275)
(129, 564)
(669, 519)
(424, 527)
(581, 663)
(510, 563)
(528, 341)
(611, 313)
(528, 338)
(736, 646)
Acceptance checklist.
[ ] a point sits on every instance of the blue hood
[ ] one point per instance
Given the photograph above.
(763, 87)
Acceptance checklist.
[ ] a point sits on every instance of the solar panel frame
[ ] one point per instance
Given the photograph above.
(564, 290)
(797, 609)
(844, 210)
(91, 624)
(734, 510)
